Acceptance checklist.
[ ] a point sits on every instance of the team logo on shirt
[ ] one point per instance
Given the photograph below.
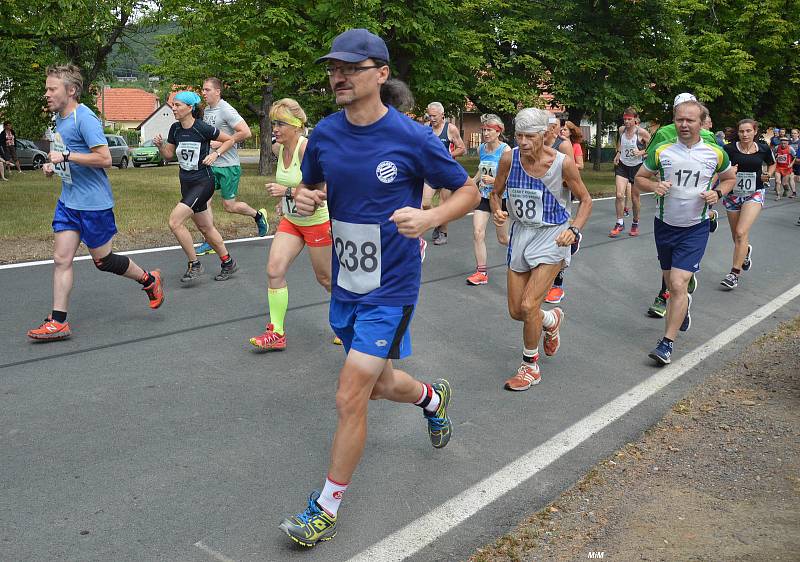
(386, 171)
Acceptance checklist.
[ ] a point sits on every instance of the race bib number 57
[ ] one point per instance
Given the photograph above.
(358, 251)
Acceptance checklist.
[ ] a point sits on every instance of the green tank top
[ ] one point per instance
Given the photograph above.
(291, 177)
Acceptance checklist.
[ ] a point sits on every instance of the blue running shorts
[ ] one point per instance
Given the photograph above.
(95, 227)
(680, 247)
(380, 331)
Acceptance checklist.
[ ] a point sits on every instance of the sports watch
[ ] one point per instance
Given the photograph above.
(575, 230)
(65, 154)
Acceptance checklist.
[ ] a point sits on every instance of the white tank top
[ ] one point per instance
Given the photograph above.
(628, 148)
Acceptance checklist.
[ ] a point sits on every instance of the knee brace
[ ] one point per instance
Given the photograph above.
(113, 263)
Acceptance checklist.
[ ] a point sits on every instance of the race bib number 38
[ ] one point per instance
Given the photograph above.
(358, 250)
(525, 206)
(188, 154)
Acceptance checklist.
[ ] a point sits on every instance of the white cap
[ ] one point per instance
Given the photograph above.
(531, 120)
(684, 97)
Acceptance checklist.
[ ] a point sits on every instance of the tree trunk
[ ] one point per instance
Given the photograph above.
(598, 149)
(265, 129)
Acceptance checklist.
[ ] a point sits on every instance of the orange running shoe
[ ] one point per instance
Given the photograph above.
(270, 340)
(478, 278)
(155, 290)
(50, 330)
(616, 231)
(554, 296)
(527, 375)
(551, 339)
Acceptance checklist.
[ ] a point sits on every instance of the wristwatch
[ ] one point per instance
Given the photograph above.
(217, 152)
(65, 155)
(718, 192)
(575, 230)
(288, 193)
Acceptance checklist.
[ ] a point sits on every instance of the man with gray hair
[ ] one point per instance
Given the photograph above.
(451, 139)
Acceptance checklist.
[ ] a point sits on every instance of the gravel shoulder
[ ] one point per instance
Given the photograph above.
(718, 478)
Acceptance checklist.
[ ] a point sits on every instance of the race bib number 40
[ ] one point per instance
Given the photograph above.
(188, 154)
(745, 184)
(62, 169)
(525, 206)
(358, 251)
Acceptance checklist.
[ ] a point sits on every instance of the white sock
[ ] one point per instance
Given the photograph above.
(433, 403)
(548, 318)
(331, 496)
(621, 222)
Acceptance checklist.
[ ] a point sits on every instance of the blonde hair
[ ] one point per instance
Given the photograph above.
(70, 75)
(287, 107)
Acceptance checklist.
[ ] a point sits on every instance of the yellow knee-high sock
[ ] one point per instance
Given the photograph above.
(278, 304)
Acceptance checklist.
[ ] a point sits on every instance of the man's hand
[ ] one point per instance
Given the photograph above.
(662, 187)
(566, 238)
(48, 169)
(499, 217)
(307, 200)
(710, 197)
(411, 222)
(55, 157)
(487, 180)
(276, 189)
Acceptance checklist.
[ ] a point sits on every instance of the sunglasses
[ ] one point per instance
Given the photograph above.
(279, 124)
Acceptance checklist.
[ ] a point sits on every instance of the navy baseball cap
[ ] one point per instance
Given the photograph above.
(356, 45)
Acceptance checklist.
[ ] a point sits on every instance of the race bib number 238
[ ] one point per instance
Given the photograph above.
(358, 250)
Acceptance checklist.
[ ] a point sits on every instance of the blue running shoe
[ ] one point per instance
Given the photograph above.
(439, 426)
(261, 222)
(311, 526)
(204, 248)
(662, 354)
(687, 320)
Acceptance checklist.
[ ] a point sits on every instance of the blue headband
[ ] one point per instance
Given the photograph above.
(189, 98)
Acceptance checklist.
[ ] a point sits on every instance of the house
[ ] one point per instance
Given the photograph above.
(125, 108)
(158, 122)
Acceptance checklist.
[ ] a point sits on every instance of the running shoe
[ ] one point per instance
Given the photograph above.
(311, 526)
(552, 341)
(748, 259)
(792, 195)
(634, 231)
(713, 223)
(270, 340)
(687, 320)
(435, 233)
(193, 272)
(478, 278)
(555, 295)
(263, 225)
(730, 281)
(575, 246)
(440, 428)
(527, 375)
(155, 290)
(50, 330)
(227, 271)
(423, 245)
(441, 240)
(659, 307)
(662, 354)
(337, 340)
(626, 212)
(204, 248)
(693, 283)
(616, 231)
(798, 221)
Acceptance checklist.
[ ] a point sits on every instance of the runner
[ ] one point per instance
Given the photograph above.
(294, 230)
(490, 151)
(450, 137)
(8, 141)
(631, 142)
(669, 133)
(794, 143)
(784, 158)
(687, 167)
(227, 169)
(368, 162)
(539, 205)
(569, 133)
(744, 203)
(190, 138)
(84, 212)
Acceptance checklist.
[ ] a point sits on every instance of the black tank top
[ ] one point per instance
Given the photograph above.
(444, 136)
(556, 143)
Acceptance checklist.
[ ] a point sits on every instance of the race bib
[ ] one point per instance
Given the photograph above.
(188, 154)
(358, 250)
(686, 183)
(781, 159)
(62, 169)
(288, 206)
(745, 184)
(525, 206)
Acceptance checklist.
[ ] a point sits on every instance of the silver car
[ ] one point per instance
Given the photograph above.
(29, 154)
(119, 151)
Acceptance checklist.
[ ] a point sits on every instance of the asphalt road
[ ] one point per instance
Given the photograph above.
(160, 435)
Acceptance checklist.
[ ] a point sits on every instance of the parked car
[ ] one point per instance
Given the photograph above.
(147, 153)
(29, 154)
(119, 151)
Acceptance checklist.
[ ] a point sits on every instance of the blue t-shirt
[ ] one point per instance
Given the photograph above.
(82, 188)
(489, 161)
(371, 172)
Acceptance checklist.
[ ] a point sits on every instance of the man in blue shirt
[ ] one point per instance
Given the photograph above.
(84, 212)
(369, 162)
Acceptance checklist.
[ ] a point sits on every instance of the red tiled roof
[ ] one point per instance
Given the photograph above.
(126, 104)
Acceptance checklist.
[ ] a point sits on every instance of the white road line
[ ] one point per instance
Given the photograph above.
(216, 555)
(419, 533)
(167, 248)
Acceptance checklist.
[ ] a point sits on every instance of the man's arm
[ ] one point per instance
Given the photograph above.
(496, 196)
(644, 182)
(412, 222)
(241, 131)
(99, 157)
(459, 148)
